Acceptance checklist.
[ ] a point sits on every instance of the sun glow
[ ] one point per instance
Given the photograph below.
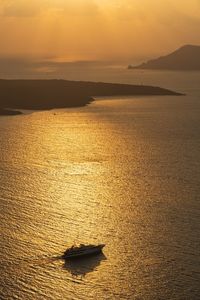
(97, 30)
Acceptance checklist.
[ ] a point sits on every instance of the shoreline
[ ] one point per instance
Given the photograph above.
(50, 94)
(9, 112)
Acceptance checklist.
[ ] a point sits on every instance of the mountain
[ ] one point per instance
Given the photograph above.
(186, 58)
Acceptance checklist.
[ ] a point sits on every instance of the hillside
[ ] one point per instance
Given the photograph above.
(185, 58)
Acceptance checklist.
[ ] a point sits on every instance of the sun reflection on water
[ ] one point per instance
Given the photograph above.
(94, 176)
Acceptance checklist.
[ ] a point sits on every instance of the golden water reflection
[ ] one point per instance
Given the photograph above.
(97, 175)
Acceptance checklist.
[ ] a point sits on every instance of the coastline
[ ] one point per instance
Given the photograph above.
(50, 94)
(9, 112)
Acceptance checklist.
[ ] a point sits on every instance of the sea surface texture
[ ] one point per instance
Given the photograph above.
(124, 172)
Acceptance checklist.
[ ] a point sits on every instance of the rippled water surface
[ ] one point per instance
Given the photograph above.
(122, 172)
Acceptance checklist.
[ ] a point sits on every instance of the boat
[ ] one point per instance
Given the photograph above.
(83, 250)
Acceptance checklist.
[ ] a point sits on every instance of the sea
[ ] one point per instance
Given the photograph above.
(123, 171)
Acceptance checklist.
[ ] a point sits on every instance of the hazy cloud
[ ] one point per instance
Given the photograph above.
(21, 8)
(97, 29)
(31, 8)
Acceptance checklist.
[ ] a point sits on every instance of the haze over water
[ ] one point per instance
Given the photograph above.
(122, 172)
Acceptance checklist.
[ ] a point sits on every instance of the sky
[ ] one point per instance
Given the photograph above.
(96, 30)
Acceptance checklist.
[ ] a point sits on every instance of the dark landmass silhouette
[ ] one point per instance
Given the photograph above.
(7, 112)
(20, 66)
(186, 58)
(49, 94)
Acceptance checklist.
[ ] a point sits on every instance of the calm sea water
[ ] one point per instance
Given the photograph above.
(123, 172)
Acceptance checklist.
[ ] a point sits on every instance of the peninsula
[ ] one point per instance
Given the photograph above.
(49, 94)
(186, 58)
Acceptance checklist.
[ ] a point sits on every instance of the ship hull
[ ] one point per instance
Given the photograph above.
(87, 252)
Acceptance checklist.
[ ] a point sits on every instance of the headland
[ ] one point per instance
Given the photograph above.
(50, 94)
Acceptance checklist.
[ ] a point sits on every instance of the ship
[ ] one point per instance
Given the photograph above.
(83, 250)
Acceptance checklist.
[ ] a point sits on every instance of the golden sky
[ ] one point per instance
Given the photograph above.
(108, 30)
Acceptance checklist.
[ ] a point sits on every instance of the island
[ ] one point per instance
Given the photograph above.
(186, 58)
(9, 112)
(49, 94)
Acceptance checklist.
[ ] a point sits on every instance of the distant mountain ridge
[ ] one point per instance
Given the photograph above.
(186, 58)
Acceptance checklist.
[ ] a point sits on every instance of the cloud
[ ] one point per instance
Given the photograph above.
(78, 7)
(21, 8)
(32, 8)
(97, 29)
